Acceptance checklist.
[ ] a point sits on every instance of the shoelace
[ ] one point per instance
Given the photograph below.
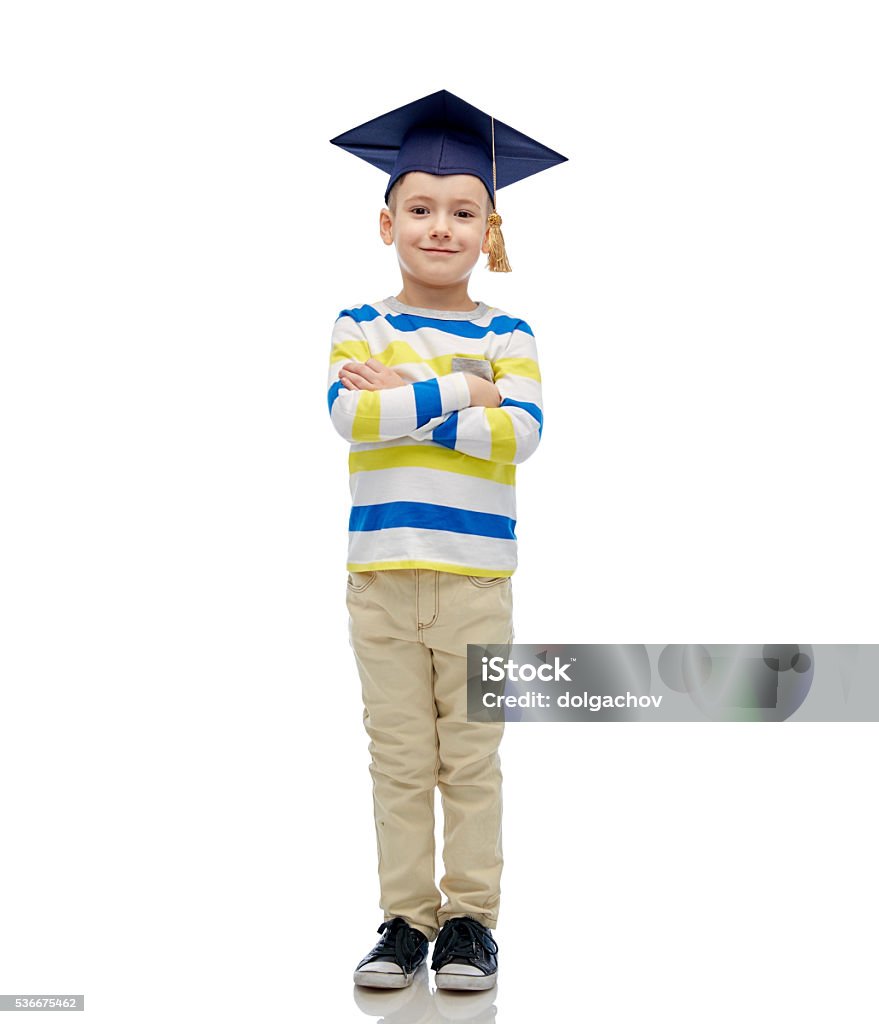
(461, 937)
(398, 939)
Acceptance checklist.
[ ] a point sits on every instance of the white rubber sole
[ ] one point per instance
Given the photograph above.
(383, 979)
(465, 982)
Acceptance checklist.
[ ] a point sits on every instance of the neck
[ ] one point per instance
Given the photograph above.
(425, 296)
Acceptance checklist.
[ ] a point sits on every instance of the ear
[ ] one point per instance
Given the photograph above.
(485, 248)
(386, 226)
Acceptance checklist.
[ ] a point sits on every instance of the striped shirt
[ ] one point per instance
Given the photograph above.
(433, 480)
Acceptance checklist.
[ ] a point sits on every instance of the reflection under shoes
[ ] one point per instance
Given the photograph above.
(417, 1004)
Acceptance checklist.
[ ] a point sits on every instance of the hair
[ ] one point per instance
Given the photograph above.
(392, 196)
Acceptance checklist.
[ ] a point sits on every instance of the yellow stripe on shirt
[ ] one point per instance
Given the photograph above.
(352, 351)
(515, 367)
(503, 436)
(418, 563)
(398, 353)
(430, 457)
(367, 417)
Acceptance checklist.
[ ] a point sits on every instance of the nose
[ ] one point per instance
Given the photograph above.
(440, 227)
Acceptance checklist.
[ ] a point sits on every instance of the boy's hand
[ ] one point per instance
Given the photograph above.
(482, 392)
(370, 376)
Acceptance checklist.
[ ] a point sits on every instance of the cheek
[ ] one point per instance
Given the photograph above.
(408, 234)
(472, 230)
(481, 235)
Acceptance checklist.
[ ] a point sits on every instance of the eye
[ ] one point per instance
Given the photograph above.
(463, 213)
(419, 209)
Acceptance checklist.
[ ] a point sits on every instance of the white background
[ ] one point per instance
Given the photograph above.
(185, 820)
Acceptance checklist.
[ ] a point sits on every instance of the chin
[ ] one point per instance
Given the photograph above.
(446, 274)
(444, 282)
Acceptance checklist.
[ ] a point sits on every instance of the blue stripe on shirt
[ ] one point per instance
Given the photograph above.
(360, 315)
(529, 407)
(333, 393)
(428, 400)
(447, 432)
(423, 516)
(460, 328)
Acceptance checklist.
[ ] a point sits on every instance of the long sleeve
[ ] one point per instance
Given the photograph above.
(432, 478)
(509, 434)
(392, 412)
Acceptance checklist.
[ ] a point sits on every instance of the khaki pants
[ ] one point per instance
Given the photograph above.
(409, 630)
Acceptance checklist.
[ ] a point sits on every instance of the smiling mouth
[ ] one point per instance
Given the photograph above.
(440, 250)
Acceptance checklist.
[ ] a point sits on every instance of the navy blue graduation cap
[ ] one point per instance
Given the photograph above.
(441, 134)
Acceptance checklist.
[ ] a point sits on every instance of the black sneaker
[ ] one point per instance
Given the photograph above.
(394, 959)
(465, 955)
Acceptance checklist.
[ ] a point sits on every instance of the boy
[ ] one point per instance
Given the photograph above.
(439, 397)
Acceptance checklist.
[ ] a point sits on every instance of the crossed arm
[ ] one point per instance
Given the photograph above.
(498, 421)
(375, 376)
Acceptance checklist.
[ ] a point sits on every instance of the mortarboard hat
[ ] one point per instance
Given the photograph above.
(441, 134)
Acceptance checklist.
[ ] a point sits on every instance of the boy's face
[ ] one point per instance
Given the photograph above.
(439, 226)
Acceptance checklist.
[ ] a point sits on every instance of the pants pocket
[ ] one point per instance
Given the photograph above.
(487, 581)
(359, 581)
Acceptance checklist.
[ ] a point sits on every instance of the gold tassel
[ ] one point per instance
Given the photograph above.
(497, 252)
